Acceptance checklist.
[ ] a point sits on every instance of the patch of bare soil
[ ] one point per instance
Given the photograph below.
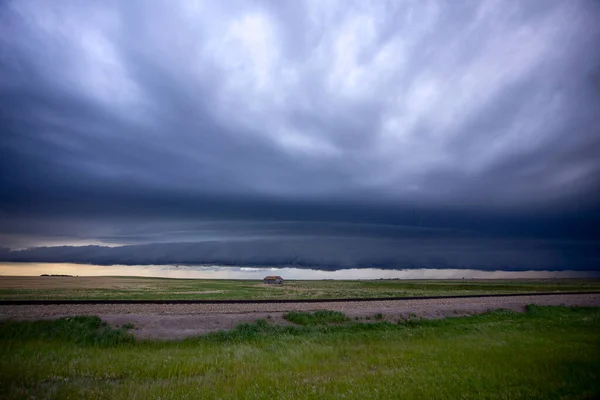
(174, 327)
(177, 321)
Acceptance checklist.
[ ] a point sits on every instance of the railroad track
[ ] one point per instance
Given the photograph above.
(279, 301)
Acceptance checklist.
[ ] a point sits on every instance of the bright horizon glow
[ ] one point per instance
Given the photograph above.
(225, 272)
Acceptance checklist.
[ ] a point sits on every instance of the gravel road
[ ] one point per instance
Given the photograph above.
(176, 321)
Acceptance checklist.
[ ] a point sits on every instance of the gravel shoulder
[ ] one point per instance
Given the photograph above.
(177, 321)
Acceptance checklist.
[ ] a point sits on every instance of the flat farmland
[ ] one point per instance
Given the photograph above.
(136, 288)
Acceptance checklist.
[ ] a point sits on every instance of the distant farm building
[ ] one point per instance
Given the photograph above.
(274, 280)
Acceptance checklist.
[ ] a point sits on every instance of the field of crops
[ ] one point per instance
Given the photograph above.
(22, 287)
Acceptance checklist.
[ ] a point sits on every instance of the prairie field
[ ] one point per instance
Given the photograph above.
(136, 288)
(544, 353)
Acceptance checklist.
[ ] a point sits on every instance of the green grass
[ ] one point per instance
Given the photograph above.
(545, 353)
(79, 330)
(320, 317)
(156, 288)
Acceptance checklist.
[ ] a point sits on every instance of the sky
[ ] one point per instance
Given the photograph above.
(326, 134)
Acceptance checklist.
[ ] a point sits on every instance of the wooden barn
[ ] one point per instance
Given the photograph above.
(275, 280)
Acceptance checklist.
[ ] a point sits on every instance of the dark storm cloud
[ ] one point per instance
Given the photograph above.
(333, 254)
(128, 120)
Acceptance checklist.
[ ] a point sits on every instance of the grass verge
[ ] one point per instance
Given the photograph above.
(320, 317)
(545, 353)
(78, 330)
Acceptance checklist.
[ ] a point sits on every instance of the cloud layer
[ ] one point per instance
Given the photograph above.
(124, 119)
(333, 254)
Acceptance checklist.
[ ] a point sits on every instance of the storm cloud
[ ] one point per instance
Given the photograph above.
(332, 254)
(302, 132)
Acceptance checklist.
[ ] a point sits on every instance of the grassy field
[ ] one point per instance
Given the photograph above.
(20, 287)
(545, 353)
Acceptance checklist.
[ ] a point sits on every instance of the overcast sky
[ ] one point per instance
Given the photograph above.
(412, 132)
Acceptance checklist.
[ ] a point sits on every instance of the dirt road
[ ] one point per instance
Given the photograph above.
(176, 321)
